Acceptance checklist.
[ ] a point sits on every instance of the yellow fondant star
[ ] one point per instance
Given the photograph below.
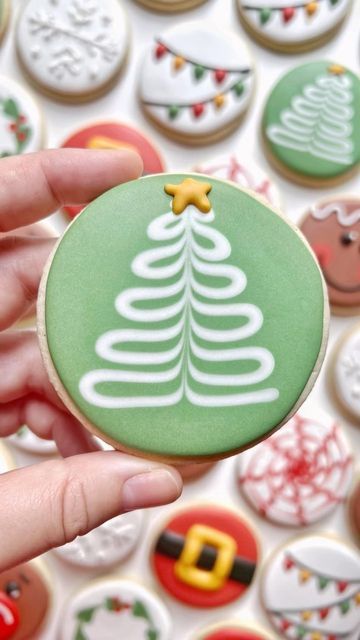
(336, 69)
(189, 191)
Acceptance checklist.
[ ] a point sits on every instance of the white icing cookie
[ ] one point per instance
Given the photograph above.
(72, 48)
(299, 474)
(346, 372)
(311, 590)
(115, 608)
(244, 172)
(108, 544)
(196, 81)
(27, 441)
(21, 126)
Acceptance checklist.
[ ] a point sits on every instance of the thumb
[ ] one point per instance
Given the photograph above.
(46, 505)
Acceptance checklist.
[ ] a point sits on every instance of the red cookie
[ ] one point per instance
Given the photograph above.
(24, 602)
(206, 556)
(332, 228)
(115, 135)
(354, 511)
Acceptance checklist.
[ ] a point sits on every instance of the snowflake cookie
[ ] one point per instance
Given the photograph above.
(21, 123)
(72, 49)
(311, 124)
(196, 82)
(345, 373)
(311, 590)
(170, 341)
(299, 474)
(114, 608)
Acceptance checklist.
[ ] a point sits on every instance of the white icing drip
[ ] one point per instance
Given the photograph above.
(6, 615)
(336, 208)
(191, 260)
(319, 121)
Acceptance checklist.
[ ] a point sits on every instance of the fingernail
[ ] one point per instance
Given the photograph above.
(151, 489)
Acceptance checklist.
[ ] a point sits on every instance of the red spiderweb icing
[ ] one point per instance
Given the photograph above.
(236, 172)
(296, 476)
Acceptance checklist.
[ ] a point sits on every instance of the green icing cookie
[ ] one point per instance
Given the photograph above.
(183, 335)
(311, 120)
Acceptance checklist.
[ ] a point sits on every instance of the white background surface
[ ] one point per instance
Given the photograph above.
(121, 103)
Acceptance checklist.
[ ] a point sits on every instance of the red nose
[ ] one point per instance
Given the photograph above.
(9, 617)
(323, 253)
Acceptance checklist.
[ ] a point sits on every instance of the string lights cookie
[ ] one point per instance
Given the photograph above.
(301, 473)
(180, 354)
(311, 124)
(72, 50)
(205, 556)
(196, 82)
(291, 26)
(21, 123)
(332, 227)
(344, 373)
(311, 589)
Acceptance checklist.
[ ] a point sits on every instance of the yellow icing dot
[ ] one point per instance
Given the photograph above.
(336, 69)
(219, 100)
(189, 191)
(304, 575)
(306, 615)
(178, 62)
(311, 8)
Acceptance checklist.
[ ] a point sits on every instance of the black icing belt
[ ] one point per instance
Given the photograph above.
(171, 544)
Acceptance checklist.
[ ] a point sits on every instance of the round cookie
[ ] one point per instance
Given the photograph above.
(115, 135)
(21, 123)
(26, 440)
(24, 602)
(196, 82)
(232, 630)
(205, 556)
(311, 124)
(345, 373)
(332, 228)
(108, 544)
(4, 16)
(72, 50)
(246, 173)
(311, 589)
(292, 27)
(6, 461)
(299, 474)
(214, 356)
(354, 510)
(168, 6)
(122, 607)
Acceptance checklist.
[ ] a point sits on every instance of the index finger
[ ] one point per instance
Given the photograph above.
(34, 185)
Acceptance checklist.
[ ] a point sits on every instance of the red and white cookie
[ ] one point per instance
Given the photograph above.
(232, 630)
(345, 373)
(115, 135)
(205, 555)
(299, 474)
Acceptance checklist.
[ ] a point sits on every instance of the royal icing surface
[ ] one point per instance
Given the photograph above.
(354, 511)
(27, 441)
(299, 474)
(293, 22)
(311, 120)
(24, 602)
(196, 79)
(115, 608)
(242, 171)
(4, 10)
(184, 339)
(73, 47)
(231, 631)
(115, 135)
(332, 227)
(20, 120)
(205, 556)
(108, 544)
(311, 590)
(346, 372)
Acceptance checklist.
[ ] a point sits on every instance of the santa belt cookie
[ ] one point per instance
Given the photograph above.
(206, 558)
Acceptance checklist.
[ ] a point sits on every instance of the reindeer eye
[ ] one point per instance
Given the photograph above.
(349, 237)
(13, 590)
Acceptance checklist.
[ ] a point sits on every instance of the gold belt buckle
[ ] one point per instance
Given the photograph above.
(185, 568)
(103, 142)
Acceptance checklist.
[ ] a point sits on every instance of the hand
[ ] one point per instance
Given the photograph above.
(49, 504)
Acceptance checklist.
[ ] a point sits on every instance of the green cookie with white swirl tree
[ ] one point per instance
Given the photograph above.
(311, 124)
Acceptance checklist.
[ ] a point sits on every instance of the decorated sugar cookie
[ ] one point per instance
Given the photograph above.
(172, 340)
(168, 6)
(311, 124)
(115, 135)
(6, 462)
(232, 630)
(108, 544)
(205, 556)
(291, 26)
(24, 602)
(345, 373)
(72, 49)
(21, 125)
(354, 511)
(243, 172)
(27, 441)
(123, 608)
(300, 473)
(196, 82)
(195, 470)
(332, 227)
(311, 590)
(4, 16)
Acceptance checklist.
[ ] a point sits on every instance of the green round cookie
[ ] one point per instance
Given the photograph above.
(183, 317)
(311, 121)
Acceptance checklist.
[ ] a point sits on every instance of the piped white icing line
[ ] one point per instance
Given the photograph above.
(29, 109)
(345, 219)
(347, 373)
(6, 614)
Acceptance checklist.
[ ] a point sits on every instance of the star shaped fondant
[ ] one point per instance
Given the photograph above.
(189, 191)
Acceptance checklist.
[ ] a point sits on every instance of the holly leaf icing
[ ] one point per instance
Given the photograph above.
(140, 611)
(86, 615)
(10, 108)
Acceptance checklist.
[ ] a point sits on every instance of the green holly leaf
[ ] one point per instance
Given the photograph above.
(109, 605)
(173, 112)
(10, 108)
(140, 611)
(152, 634)
(199, 71)
(80, 635)
(239, 88)
(265, 15)
(86, 615)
